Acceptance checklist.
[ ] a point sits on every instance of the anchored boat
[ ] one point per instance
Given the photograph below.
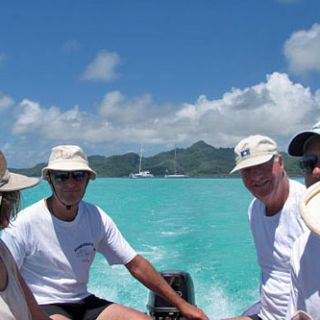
(141, 173)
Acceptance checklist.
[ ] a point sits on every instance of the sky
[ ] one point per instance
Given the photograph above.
(115, 75)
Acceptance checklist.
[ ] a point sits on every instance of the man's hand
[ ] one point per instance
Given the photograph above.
(143, 271)
(191, 312)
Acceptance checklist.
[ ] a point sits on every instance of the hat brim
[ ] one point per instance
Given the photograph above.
(64, 166)
(251, 162)
(18, 182)
(296, 144)
(309, 208)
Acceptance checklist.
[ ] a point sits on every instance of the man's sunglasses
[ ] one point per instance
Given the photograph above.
(62, 176)
(308, 163)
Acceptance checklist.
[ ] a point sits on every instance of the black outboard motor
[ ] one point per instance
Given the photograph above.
(181, 282)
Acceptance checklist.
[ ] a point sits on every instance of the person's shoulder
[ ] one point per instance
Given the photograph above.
(297, 186)
(296, 192)
(256, 210)
(28, 217)
(92, 209)
(256, 204)
(94, 216)
(88, 206)
(31, 210)
(38, 204)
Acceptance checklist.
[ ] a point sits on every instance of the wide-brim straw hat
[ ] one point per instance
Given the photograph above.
(12, 181)
(68, 158)
(309, 208)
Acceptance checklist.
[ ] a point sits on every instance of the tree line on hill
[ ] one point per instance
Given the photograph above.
(198, 160)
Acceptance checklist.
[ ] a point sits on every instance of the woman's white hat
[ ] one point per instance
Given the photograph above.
(309, 208)
(12, 181)
(68, 158)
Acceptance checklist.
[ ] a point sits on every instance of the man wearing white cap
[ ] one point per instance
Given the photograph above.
(55, 240)
(274, 219)
(305, 261)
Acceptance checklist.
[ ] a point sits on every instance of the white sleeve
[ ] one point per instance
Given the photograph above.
(114, 246)
(13, 237)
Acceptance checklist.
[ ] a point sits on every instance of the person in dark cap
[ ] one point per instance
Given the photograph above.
(67, 232)
(274, 220)
(305, 260)
(16, 299)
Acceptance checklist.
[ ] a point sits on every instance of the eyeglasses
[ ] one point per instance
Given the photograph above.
(308, 163)
(62, 176)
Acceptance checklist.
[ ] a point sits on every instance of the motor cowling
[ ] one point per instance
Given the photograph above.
(181, 282)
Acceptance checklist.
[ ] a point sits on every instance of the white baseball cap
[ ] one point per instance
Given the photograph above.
(254, 150)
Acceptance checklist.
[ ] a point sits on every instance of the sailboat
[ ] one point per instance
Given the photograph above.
(175, 175)
(141, 173)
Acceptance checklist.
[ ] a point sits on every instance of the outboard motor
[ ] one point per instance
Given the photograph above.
(181, 282)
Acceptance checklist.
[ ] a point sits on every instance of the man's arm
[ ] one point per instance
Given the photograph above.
(143, 271)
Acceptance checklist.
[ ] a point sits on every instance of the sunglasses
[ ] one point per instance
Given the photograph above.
(65, 175)
(308, 163)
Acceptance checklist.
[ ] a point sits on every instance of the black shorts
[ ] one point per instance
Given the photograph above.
(86, 309)
(254, 317)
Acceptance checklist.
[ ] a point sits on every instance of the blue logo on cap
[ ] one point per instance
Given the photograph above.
(245, 153)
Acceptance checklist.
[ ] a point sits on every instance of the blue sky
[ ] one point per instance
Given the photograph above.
(112, 75)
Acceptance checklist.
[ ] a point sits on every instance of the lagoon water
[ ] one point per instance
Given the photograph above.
(195, 225)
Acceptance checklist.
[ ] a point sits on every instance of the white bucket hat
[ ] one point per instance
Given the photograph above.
(309, 208)
(68, 158)
(12, 181)
(254, 150)
(296, 144)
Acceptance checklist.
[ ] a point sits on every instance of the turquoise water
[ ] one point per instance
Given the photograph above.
(196, 225)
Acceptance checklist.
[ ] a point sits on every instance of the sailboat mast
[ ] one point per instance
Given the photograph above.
(140, 161)
(175, 160)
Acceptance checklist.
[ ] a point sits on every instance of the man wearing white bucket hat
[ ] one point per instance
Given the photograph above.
(305, 261)
(55, 240)
(16, 299)
(274, 219)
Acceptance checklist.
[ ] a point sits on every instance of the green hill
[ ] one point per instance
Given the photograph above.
(198, 160)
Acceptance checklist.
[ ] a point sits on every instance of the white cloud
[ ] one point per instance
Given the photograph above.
(118, 109)
(276, 107)
(102, 68)
(5, 102)
(302, 50)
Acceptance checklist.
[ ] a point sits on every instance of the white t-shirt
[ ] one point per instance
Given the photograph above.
(305, 276)
(274, 237)
(13, 305)
(54, 256)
